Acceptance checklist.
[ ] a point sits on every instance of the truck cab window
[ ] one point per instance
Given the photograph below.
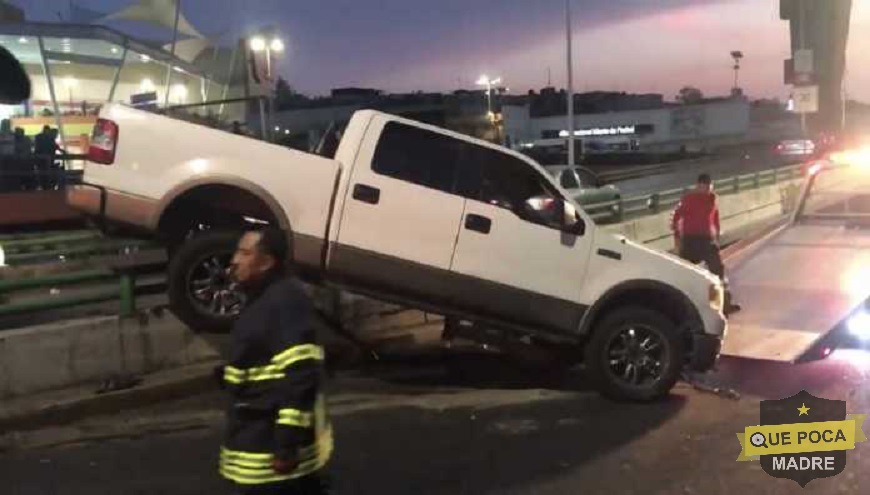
(416, 155)
(493, 177)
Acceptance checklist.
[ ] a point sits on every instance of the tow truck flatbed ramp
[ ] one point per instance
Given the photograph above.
(795, 287)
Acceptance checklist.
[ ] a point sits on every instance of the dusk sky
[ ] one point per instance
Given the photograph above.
(435, 45)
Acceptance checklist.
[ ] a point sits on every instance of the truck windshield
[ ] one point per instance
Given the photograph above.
(838, 192)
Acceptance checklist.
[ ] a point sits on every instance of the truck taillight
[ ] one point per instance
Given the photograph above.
(103, 142)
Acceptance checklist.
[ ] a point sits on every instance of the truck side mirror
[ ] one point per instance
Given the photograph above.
(15, 84)
(572, 223)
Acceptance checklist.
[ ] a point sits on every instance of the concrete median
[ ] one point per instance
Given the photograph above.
(53, 356)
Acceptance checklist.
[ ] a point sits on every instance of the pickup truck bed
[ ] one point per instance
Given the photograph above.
(796, 286)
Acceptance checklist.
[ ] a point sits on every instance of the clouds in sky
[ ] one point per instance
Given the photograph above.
(407, 45)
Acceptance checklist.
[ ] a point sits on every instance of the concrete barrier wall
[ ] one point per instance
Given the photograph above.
(58, 355)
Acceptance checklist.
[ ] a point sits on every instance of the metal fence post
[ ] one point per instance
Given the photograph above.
(653, 202)
(128, 294)
(619, 214)
(757, 180)
(736, 186)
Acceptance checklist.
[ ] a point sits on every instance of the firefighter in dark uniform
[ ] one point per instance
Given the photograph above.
(278, 436)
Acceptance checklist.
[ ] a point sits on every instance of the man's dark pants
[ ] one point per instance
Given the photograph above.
(702, 248)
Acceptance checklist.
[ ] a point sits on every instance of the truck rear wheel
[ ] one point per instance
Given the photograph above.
(635, 354)
(201, 293)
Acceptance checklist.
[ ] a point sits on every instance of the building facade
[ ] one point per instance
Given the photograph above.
(77, 68)
(667, 128)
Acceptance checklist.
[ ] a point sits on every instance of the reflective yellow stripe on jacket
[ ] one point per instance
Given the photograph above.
(254, 468)
(295, 417)
(274, 370)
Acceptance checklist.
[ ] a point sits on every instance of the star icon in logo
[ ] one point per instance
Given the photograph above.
(803, 410)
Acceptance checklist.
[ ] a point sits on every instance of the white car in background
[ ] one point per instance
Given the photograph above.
(586, 187)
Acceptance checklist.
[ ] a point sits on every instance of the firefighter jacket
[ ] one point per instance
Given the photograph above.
(275, 376)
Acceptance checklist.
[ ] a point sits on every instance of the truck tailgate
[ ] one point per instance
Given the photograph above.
(795, 288)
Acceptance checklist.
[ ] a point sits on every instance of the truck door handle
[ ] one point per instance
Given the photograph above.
(366, 194)
(478, 223)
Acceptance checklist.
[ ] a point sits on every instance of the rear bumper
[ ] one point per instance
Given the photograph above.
(112, 205)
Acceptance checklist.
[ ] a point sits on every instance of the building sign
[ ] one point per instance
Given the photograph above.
(146, 100)
(619, 130)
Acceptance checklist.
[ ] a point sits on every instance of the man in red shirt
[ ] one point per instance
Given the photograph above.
(696, 230)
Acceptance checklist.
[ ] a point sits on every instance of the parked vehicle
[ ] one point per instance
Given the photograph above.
(800, 148)
(586, 188)
(411, 214)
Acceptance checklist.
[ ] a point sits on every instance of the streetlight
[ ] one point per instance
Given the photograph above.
(736, 55)
(570, 69)
(259, 44)
(486, 81)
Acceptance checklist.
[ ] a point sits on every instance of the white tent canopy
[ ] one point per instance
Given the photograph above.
(160, 12)
(188, 49)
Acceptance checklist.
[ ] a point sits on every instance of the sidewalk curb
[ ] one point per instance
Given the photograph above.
(65, 410)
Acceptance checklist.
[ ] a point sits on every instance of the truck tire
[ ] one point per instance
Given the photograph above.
(200, 292)
(634, 354)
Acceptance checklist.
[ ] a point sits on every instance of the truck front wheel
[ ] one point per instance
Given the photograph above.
(634, 354)
(201, 293)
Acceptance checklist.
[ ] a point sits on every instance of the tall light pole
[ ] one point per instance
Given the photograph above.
(259, 44)
(570, 101)
(736, 55)
(486, 81)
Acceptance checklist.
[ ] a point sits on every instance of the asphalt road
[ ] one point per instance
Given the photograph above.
(480, 426)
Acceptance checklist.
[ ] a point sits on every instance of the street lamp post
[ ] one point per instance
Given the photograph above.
(570, 69)
(736, 55)
(486, 81)
(259, 44)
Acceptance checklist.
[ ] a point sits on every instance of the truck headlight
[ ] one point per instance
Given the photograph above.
(717, 297)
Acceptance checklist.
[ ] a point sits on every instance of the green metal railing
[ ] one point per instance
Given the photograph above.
(69, 259)
(649, 204)
(118, 285)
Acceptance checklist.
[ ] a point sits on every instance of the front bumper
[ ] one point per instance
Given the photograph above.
(705, 352)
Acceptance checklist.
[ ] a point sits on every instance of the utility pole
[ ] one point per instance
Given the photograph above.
(570, 84)
(802, 21)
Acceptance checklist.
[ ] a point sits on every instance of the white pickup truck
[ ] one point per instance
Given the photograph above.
(411, 214)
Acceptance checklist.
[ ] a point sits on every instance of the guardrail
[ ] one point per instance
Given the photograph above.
(649, 204)
(119, 284)
(130, 267)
